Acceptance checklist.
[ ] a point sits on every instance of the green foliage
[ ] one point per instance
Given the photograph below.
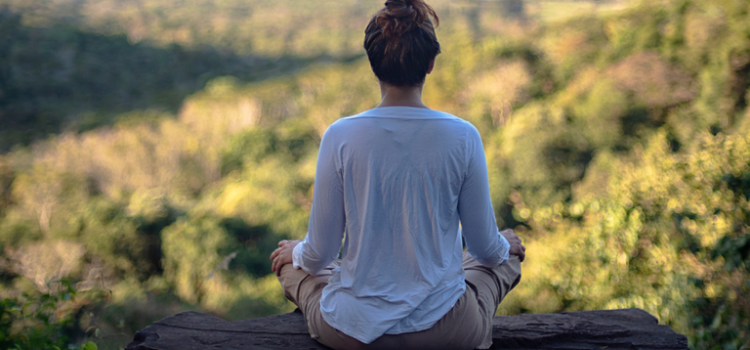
(39, 321)
(170, 146)
(192, 250)
(62, 78)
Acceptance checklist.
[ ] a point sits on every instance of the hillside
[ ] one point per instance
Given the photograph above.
(154, 151)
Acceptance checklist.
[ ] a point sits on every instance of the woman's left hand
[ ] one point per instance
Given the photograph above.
(282, 255)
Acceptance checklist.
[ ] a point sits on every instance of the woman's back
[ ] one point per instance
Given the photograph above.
(400, 172)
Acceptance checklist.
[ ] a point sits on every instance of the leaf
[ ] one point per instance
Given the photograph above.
(90, 346)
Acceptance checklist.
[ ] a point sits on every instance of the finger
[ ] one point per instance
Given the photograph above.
(517, 250)
(275, 254)
(282, 242)
(278, 267)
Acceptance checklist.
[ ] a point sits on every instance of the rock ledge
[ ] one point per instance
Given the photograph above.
(607, 329)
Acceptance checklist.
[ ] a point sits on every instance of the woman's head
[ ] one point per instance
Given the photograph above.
(401, 43)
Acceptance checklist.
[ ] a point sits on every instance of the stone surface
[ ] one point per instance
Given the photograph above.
(584, 330)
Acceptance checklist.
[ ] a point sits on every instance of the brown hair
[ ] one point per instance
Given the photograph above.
(400, 42)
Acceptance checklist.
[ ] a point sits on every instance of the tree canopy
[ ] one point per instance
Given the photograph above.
(154, 152)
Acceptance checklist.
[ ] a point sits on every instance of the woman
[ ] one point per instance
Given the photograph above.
(398, 180)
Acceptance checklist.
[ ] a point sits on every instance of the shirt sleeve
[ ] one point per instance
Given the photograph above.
(327, 219)
(478, 225)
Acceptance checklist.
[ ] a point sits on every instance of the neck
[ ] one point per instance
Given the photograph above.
(392, 96)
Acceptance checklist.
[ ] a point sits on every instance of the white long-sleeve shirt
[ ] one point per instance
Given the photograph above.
(395, 182)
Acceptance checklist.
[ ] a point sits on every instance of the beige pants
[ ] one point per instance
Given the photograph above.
(468, 325)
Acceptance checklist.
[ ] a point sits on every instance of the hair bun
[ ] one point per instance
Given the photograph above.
(400, 16)
(400, 42)
(398, 9)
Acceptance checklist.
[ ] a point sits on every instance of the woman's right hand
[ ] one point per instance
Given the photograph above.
(516, 248)
(282, 255)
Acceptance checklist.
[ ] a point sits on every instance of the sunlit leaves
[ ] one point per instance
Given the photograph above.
(617, 147)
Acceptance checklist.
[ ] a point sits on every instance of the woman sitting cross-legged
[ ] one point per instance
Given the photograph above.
(400, 185)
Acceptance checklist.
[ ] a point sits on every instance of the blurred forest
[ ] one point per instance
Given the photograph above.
(152, 153)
